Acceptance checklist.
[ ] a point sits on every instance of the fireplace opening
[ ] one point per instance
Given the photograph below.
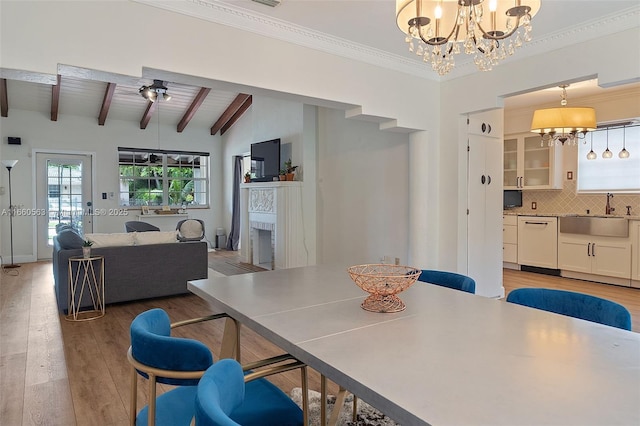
(263, 248)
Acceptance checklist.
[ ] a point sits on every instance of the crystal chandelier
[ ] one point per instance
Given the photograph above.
(563, 124)
(439, 30)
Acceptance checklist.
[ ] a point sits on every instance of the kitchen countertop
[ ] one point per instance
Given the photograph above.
(508, 213)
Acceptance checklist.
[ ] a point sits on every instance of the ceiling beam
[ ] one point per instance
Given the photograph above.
(55, 98)
(106, 103)
(197, 101)
(229, 112)
(4, 100)
(151, 107)
(245, 105)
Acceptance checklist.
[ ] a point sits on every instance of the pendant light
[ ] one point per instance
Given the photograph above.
(607, 153)
(624, 153)
(592, 155)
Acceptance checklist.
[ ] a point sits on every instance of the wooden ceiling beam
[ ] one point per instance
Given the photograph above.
(151, 107)
(55, 98)
(193, 108)
(229, 112)
(4, 100)
(106, 103)
(245, 105)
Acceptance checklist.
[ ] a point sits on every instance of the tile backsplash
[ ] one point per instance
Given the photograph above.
(566, 201)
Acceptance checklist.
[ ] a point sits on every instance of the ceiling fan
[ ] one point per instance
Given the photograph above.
(152, 92)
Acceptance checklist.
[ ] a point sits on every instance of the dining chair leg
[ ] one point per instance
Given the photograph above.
(323, 400)
(151, 413)
(305, 395)
(354, 414)
(134, 397)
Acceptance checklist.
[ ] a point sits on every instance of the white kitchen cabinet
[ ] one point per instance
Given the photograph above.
(528, 165)
(634, 236)
(484, 220)
(606, 256)
(510, 239)
(538, 241)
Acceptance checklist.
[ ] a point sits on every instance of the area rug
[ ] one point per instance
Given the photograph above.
(367, 415)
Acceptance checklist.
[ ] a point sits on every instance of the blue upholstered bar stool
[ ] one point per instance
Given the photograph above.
(577, 305)
(448, 279)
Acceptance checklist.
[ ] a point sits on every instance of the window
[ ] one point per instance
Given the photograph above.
(613, 174)
(159, 177)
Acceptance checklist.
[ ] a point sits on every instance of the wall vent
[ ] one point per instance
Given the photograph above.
(272, 3)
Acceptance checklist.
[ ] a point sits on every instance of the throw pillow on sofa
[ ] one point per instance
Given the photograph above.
(69, 239)
(158, 237)
(111, 240)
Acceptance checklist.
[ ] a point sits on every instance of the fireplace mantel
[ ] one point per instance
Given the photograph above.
(275, 207)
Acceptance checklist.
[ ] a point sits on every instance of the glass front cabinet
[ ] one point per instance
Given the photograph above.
(530, 163)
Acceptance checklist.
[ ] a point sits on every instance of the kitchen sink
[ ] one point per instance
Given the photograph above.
(605, 226)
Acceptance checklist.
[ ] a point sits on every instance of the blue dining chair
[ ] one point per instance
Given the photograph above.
(577, 305)
(227, 397)
(448, 279)
(161, 358)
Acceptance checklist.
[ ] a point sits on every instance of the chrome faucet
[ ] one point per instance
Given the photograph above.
(608, 209)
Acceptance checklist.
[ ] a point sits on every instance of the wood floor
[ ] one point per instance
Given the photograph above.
(56, 372)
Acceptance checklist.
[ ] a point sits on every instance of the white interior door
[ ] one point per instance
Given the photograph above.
(63, 191)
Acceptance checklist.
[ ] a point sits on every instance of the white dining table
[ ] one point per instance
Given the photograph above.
(450, 358)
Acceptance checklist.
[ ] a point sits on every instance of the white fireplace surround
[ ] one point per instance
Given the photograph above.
(271, 220)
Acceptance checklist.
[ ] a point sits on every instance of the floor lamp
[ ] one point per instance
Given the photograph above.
(9, 165)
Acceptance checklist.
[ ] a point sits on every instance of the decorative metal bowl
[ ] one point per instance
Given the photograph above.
(383, 282)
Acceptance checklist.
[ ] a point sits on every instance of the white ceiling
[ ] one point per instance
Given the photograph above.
(348, 25)
(372, 23)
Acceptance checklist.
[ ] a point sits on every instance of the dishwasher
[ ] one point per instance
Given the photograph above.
(538, 241)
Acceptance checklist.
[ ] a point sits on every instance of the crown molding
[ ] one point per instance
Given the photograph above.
(255, 22)
(605, 25)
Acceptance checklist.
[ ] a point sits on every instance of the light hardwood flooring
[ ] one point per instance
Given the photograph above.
(57, 372)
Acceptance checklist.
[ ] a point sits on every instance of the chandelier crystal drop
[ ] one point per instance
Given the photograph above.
(492, 30)
(559, 125)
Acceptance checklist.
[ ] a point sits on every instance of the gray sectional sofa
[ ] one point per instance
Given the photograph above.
(133, 272)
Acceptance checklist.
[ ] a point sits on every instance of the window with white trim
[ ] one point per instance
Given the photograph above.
(613, 174)
(163, 178)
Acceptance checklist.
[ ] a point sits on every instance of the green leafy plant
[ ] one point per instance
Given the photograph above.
(87, 243)
(288, 167)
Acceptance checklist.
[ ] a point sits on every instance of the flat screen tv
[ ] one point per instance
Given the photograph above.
(265, 160)
(512, 198)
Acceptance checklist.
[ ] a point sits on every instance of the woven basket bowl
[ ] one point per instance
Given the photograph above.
(383, 282)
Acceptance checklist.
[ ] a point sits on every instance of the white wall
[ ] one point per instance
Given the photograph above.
(363, 191)
(76, 133)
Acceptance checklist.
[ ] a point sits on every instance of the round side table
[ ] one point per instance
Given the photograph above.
(86, 275)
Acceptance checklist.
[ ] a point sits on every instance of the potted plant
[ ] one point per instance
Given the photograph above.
(283, 174)
(86, 249)
(247, 177)
(289, 169)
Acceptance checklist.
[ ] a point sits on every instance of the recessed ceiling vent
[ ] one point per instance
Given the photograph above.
(272, 3)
